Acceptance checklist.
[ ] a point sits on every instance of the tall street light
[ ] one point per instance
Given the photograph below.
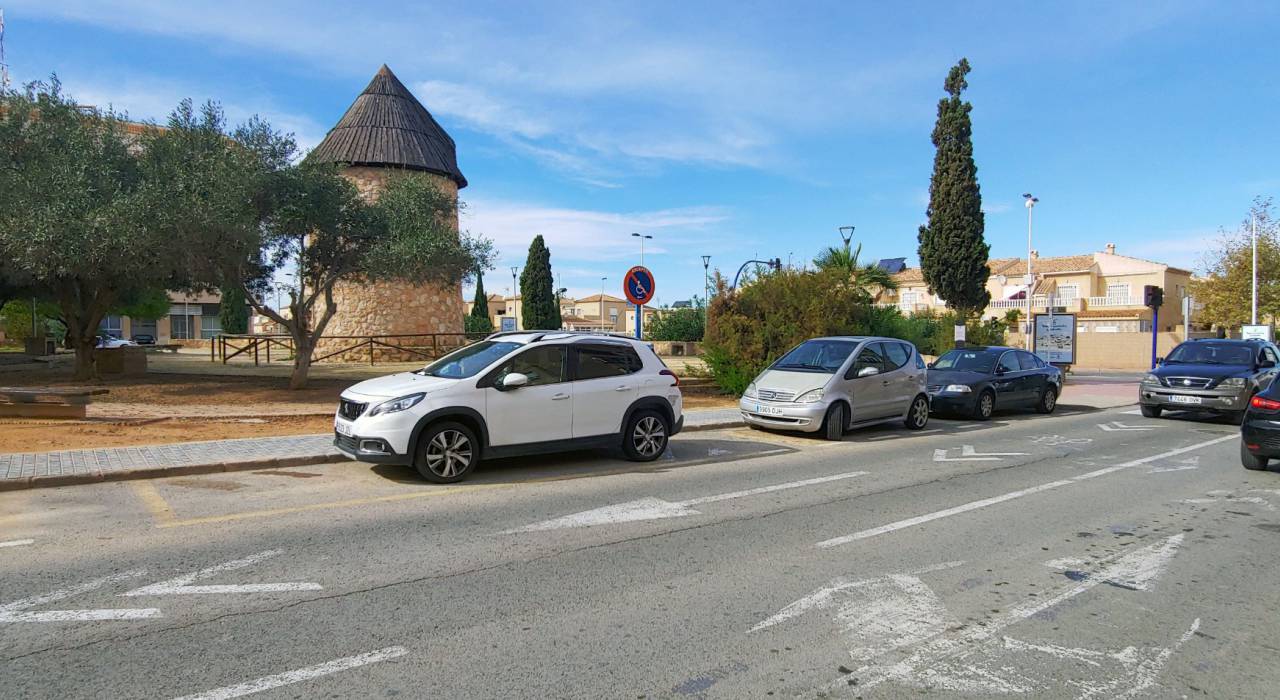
(706, 292)
(602, 281)
(1030, 201)
(846, 233)
(515, 296)
(1254, 228)
(643, 238)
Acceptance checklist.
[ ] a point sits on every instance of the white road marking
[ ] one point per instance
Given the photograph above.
(968, 454)
(182, 584)
(14, 612)
(969, 425)
(1059, 440)
(983, 503)
(884, 437)
(1138, 569)
(16, 543)
(656, 508)
(931, 430)
(302, 674)
(1118, 427)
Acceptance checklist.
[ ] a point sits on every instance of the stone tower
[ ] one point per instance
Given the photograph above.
(385, 131)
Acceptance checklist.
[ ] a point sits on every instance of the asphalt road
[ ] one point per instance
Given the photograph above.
(1047, 556)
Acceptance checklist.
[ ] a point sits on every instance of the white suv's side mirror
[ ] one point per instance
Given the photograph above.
(868, 372)
(515, 380)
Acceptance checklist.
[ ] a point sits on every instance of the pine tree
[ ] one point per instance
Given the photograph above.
(953, 253)
(479, 321)
(537, 291)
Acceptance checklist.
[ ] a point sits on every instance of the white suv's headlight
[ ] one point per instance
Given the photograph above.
(812, 396)
(957, 389)
(1234, 383)
(750, 393)
(396, 405)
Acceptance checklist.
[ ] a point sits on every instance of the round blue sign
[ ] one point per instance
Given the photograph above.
(638, 285)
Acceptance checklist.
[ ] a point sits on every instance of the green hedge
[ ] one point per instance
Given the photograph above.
(750, 328)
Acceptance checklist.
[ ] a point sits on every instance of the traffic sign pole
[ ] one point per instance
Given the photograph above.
(639, 322)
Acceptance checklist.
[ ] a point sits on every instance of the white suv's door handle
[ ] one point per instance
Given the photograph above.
(559, 397)
(622, 388)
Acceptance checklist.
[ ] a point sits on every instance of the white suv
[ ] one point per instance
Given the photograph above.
(514, 393)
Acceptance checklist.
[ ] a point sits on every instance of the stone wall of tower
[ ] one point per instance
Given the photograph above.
(397, 309)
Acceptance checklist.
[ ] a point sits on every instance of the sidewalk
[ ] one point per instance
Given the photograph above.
(26, 470)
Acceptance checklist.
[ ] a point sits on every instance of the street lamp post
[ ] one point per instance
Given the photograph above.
(706, 292)
(846, 233)
(1030, 202)
(602, 281)
(515, 297)
(643, 238)
(639, 308)
(1254, 234)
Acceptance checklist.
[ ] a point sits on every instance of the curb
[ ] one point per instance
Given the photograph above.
(39, 482)
(715, 425)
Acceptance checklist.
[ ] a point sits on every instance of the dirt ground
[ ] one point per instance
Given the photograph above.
(165, 408)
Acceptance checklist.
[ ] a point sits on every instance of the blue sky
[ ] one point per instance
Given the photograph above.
(737, 129)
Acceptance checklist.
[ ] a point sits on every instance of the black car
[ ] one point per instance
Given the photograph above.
(1209, 376)
(144, 339)
(978, 380)
(1260, 431)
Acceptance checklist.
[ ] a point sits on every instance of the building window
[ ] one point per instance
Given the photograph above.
(908, 299)
(210, 326)
(112, 326)
(613, 315)
(1069, 292)
(180, 327)
(1117, 291)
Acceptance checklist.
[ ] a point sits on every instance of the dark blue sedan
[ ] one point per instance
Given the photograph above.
(977, 381)
(1260, 430)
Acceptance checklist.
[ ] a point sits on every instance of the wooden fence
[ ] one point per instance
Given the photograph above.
(426, 346)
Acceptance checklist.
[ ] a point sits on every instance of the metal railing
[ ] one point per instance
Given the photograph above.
(427, 346)
(1113, 301)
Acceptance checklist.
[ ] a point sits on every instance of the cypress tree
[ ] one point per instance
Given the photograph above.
(478, 321)
(537, 290)
(953, 252)
(233, 310)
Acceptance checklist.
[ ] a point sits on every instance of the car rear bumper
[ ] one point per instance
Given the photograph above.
(1214, 400)
(805, 417)
(1261, 434)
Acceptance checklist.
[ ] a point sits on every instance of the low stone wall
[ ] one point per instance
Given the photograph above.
(670, 348)
(1131, 351)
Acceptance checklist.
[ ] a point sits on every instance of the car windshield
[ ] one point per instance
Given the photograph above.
(1212, 354)
(469, 361)
(967, 360)
(826, 356)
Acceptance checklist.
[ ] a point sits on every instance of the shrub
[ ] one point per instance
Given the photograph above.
(679, 325)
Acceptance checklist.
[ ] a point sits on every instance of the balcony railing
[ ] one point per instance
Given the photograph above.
(1114, 301)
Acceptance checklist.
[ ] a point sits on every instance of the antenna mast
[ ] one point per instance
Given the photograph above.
(4, 67)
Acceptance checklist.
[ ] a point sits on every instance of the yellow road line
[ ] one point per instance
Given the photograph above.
(150, 496)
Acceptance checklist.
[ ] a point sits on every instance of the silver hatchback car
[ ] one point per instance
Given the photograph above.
(837, 383)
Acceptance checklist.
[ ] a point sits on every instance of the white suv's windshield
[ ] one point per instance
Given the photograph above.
(469, 361)
(826, 356)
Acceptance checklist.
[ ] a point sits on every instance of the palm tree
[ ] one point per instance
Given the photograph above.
(844, 259)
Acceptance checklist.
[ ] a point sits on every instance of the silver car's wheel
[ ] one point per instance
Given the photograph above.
(918, 416)
(447, 453)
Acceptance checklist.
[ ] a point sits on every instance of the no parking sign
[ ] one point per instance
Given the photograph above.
(638, 285)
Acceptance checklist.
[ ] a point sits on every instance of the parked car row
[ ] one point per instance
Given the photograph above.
(832, 385)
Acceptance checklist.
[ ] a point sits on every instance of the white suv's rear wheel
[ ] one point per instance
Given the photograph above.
(646, 436)
(447, 452)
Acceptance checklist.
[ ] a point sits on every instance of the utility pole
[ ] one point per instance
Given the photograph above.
(1254, 234)
(1031, 203)
(602, 281)
(4, 67)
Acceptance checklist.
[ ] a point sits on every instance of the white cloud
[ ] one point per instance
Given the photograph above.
(996, 208)
(582, 234)
(480, 110)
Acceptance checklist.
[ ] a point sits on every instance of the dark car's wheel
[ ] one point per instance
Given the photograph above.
(918, 415)
(1151, 411)
(985, 406)
(834, 424)
(1048, 400)
(1250, 460)
(645, 438)
(447, 452)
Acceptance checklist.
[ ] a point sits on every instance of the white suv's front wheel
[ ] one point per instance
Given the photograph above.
(645, 438)
(447, 452)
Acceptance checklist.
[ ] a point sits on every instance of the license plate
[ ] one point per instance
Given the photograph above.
(1185, 399)
(344, 429)
(768, 410)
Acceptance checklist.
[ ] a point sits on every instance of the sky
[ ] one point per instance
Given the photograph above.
(739, 129)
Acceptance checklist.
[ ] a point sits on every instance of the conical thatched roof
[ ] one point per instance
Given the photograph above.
(388, 127)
